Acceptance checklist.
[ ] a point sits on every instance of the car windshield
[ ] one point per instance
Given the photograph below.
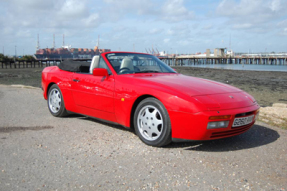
(130, 63)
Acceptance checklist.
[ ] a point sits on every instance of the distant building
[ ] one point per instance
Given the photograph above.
(218, 53)
(230, 53)
(66, 52)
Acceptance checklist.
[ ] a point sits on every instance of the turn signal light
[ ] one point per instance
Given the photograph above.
(219, 117)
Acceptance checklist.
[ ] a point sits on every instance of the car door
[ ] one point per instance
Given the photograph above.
(94, 92)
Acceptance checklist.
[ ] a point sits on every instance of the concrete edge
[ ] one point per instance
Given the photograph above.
(21, 86)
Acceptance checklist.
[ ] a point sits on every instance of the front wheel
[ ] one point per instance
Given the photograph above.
(152, 123)
(56, 102)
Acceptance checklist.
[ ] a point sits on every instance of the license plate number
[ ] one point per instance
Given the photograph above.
(242, 121)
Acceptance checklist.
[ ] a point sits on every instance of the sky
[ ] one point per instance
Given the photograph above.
(173, 26)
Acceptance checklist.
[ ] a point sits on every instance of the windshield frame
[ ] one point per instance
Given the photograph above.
(136, 63)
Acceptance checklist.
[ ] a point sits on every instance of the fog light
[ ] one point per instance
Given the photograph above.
(217, 124)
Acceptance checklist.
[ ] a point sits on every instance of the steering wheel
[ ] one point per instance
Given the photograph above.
(143, 63)
(124, 70)
(136, 69)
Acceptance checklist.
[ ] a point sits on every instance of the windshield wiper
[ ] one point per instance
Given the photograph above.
(148, 71)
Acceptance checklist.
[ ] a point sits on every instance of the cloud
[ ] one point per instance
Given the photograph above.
(275, 5)
(166, 40)
(115, 10)
(242, 26)
(72, 9)
(167, 24)
(92, 21)
(183, 42)
(208, 27)
(132, 6)
(170, 32)
(49, 14)
(246, 14)
(175, 11)
(180, 30)
(155, 31)
(23, 33)
(168, 11)
(282, 23)
(34, 5)
(283, 32)
(7, 30)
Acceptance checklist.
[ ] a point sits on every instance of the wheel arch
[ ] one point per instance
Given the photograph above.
(135, 104)
(165, 136)
(48, 88)
(61, 112)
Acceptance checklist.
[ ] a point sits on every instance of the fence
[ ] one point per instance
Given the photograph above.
(32, 64)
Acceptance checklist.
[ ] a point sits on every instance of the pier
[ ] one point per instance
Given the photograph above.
(182, 60)
(194, 60)
(28, 64)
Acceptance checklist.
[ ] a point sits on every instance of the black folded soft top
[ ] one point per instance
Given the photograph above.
(73, 66)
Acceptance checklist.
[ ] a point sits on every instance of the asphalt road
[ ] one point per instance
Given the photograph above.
(41, 152)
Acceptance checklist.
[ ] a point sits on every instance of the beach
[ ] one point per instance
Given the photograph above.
(266, 87)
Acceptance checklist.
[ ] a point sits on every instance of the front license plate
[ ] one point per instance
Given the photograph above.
(242, 121)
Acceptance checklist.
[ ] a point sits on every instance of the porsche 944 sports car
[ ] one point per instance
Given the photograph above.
(139, 91)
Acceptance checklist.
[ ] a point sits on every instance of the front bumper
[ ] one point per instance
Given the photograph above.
(194, 126)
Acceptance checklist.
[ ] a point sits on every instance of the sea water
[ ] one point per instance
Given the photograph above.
(279, 68)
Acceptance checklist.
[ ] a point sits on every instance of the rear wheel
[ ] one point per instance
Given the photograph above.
(152, 123)
(55, 102)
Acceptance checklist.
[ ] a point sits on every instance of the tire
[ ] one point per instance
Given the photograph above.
(152, 123)
(56, 102)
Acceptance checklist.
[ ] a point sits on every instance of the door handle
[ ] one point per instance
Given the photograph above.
(75, 80)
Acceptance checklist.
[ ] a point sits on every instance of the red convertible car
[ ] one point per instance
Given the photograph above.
(141, 92)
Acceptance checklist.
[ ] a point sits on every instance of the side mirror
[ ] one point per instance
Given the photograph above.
(100, 72)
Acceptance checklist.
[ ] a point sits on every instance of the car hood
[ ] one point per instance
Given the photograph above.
(211, 94)
(191, 86)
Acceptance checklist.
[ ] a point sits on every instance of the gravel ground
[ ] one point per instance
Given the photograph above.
(41, 152)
